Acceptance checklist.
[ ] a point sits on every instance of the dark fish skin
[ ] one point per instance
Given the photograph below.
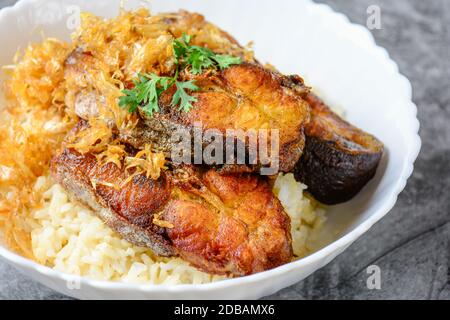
(222, 224)
(339, 159)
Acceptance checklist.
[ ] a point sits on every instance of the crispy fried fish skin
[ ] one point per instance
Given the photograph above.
(129, 211)
(339, 159)
(222, 224)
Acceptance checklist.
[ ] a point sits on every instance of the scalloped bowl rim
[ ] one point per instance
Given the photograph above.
(321, 254)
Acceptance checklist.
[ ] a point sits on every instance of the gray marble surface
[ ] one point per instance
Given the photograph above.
(411, 245)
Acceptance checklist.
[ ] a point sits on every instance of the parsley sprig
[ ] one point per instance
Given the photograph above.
(149, 87)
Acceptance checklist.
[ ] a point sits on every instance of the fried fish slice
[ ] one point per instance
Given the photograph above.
(222, 224)
(239, 228)
(339, 159)
(243, 97)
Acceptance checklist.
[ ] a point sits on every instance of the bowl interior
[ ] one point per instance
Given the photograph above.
(345, 71)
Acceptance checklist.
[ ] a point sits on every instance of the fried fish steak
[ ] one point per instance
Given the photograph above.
(243, 97)
(239, 228)
(221, 224)
(339, 159)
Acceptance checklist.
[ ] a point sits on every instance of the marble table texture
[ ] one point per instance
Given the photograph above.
(411, 244)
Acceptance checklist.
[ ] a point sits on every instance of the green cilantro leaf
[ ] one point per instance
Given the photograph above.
(182, 98)
(181, 47)
(129, 100)
(145, 94)
(225, 61)
(200, 58)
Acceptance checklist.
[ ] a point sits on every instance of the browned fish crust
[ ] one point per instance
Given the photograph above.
(245, 232)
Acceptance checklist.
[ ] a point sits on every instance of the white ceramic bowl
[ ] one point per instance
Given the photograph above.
(339, 59)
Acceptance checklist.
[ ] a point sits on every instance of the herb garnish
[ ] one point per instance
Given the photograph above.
(200, 58)
(146, 91)
(149, 87)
